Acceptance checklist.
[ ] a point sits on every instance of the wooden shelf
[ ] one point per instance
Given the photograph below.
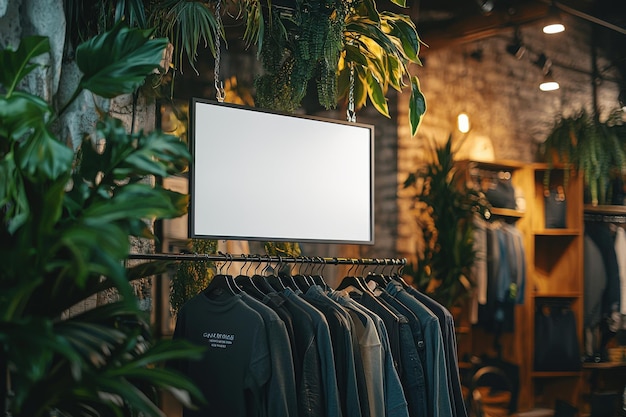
(555, 374)
(503, 212)
(558, 232)
(501, 164)
(560, 294)
(604, 365)
(605, 209)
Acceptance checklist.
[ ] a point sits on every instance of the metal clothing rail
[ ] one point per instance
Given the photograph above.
(225, 257)
(605, 218)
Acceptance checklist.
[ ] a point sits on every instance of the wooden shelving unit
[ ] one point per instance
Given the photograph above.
(554, 274)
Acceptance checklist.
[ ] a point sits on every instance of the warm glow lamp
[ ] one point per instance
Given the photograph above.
(462, 122)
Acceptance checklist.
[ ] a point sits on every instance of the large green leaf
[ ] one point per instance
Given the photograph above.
(91, 247)
(118, 61)
(13, 199)
(354, 54)
(125, 155)
(16, 65)
(132, 201)
(377, 96)
(403, 28)
(20, 113)
(156, 154)
(417, 105)
(395, 72)
(42, 157)
(147, 269)
(362, 27)
(31, 344)
(160, 352)
(367, 8)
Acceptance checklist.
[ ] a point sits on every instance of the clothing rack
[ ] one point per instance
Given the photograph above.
(226, 257)
(605, 218)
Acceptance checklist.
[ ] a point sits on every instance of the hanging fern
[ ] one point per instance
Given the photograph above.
(583, 143)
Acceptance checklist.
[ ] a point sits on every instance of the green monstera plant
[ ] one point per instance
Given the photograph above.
(66, 221)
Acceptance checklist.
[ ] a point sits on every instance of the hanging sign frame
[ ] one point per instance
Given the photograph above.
(263, 175)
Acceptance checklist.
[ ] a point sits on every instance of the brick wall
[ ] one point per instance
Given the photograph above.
(500, 94)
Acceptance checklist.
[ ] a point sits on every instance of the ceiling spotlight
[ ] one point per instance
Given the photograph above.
(553, 23)
(543, 62)
(516, 48)
(486, 6)
(548, 83)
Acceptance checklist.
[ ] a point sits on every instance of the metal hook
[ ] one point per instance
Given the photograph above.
(245, 261)
(258, 264)
(220, 268)
(229, 261)
(402, 264)
(323, 264)
(353, 262)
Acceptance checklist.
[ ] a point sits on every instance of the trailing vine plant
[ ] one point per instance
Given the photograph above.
(322, 42)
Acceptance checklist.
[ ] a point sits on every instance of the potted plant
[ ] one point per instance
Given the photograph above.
(582, 142)
(67, 219)
(444, 208)
(331, 44)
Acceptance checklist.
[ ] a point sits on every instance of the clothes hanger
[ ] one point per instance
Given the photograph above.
(374, 276)
(353, 282)
(222, 284)
(397, 275)
(301, 280)
(261, 280)
(244, 281)
(275, 280)
(318, 279)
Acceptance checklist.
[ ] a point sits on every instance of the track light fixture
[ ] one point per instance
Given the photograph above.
(554, 23)
(543, 62)
(516, 48)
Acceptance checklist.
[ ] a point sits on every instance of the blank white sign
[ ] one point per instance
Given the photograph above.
(259, 175)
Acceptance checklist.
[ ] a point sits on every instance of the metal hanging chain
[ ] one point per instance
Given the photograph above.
(219, 86)
(350, 113)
